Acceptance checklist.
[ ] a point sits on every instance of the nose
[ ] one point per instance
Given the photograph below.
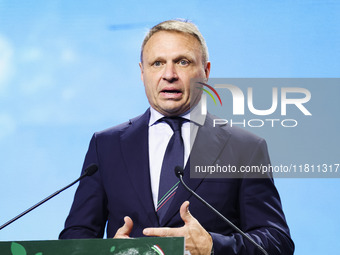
(170, 73)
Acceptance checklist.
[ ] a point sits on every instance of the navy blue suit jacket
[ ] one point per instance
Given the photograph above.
(122, 187)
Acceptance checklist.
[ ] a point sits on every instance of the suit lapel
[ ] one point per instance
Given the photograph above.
(136, 157)
(206, 149)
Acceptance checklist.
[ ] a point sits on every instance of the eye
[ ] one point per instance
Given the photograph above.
(184, 62)
(157, 63)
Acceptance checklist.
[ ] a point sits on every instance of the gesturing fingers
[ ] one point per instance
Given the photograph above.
(126, 229)
(162, 232)
(197, 239)
(185, 214)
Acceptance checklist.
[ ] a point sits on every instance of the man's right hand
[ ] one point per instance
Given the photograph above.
(126, 229)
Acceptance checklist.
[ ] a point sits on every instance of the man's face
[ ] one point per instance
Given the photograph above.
(170, 61)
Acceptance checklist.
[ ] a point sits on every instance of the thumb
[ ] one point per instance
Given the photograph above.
(126, 229)
(184, 212)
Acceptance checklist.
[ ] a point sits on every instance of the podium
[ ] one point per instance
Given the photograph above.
(136, 246)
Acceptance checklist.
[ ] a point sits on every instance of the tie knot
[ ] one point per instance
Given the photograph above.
(174, 122)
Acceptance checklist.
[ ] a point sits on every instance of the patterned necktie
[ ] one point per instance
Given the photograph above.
(174, 156)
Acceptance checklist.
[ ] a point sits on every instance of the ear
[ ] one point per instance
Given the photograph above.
(141, 71)
(207, 70)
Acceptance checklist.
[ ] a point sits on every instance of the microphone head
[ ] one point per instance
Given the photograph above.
(91, 169)
(179, 171)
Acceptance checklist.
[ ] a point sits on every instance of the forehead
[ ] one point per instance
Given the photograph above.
(171, 43)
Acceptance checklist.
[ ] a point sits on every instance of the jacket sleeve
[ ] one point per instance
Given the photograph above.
(262, 219)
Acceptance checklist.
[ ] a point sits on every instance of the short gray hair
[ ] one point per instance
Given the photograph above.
(181, 26)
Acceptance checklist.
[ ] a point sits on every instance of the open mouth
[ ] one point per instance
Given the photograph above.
(171, 93)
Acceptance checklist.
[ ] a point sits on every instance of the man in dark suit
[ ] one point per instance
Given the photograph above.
(135, 158)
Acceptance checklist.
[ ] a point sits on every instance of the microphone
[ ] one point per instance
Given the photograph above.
(90, 170)
(179, 173)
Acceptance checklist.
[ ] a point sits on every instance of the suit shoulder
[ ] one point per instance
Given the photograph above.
(242, 134)
(118, 129)
(237, 134)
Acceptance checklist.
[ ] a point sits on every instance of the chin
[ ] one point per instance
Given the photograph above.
(171, 108)
(175, 112)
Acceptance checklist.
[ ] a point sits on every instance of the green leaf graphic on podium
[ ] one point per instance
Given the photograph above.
(112, 248)
(17, 249)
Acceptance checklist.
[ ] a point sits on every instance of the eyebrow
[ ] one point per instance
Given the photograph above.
(176, 59)
(180, 57)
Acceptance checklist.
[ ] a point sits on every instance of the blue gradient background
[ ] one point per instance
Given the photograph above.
(70, 68)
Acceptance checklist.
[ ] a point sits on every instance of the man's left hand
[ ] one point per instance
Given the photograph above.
(197, 239)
